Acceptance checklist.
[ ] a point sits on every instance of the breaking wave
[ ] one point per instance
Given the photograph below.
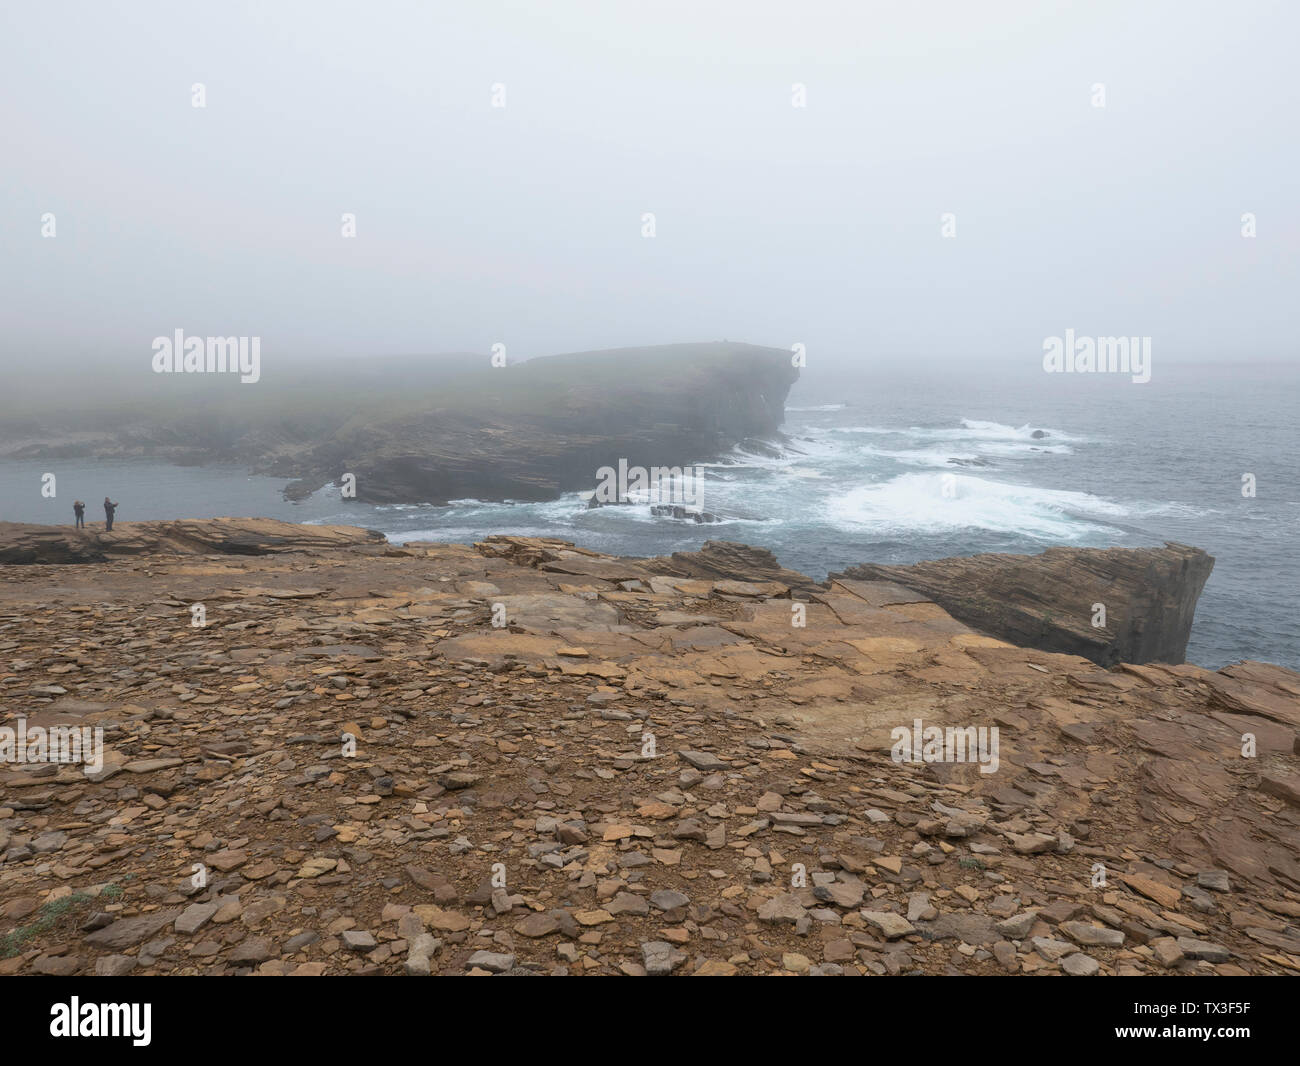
(928, 503)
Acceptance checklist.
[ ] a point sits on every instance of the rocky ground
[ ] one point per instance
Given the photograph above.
(637, 773)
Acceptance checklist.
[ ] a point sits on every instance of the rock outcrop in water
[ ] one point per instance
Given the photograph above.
(660, 510)
(1052, 600)
(647, 754)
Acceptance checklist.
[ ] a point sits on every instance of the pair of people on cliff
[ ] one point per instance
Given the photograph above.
(110, 509)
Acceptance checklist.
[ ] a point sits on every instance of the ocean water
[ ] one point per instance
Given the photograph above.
(895, 469)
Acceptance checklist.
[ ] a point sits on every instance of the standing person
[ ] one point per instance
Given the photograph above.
(79, 509)
(110, 509)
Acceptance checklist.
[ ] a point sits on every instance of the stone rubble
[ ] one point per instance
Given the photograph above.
(351, 770)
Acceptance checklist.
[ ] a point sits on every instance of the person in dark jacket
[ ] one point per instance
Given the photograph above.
(110, 508)
(79, 509)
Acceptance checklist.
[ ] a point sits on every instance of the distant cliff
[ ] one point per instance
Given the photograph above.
(430, 431)
(1050, 601)
(544, 427)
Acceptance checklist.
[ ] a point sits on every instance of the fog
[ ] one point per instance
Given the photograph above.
(523, 225)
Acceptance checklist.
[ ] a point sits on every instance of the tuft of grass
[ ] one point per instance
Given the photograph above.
(47, 915)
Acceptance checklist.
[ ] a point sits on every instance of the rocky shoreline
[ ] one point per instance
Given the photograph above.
(524, 757)
(1047, 601)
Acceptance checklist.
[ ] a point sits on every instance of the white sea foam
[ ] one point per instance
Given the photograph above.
(950, 455)
(820, 407)
(806, 452)
(917, 503)
(921, 446)
(975, 429)
(937, 457)
(882, 430)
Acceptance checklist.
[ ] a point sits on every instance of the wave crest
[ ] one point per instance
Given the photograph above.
(925, 503)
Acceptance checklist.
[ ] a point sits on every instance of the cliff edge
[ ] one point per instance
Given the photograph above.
(1110, 605)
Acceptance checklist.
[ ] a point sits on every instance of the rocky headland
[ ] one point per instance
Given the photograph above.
(1111, 605)
(523, 757)
(408, 432)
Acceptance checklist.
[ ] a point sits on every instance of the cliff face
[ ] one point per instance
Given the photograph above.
(1048, 601)
(536, 430)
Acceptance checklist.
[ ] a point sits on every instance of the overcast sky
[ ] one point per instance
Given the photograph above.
(774, 224)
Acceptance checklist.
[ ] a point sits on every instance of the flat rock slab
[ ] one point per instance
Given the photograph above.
(703, 760)
(891, 925)
(127, 932)
(147, 766)
(196, 916)
(492, 961)
(967, 926)
(661, 958)
(1092, 936)
(786, 908)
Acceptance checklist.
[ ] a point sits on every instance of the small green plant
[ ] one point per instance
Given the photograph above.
(49, 913)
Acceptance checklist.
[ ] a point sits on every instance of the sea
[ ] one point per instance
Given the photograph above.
(888, 465)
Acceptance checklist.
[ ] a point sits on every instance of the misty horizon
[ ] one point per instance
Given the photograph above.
(522, 225)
